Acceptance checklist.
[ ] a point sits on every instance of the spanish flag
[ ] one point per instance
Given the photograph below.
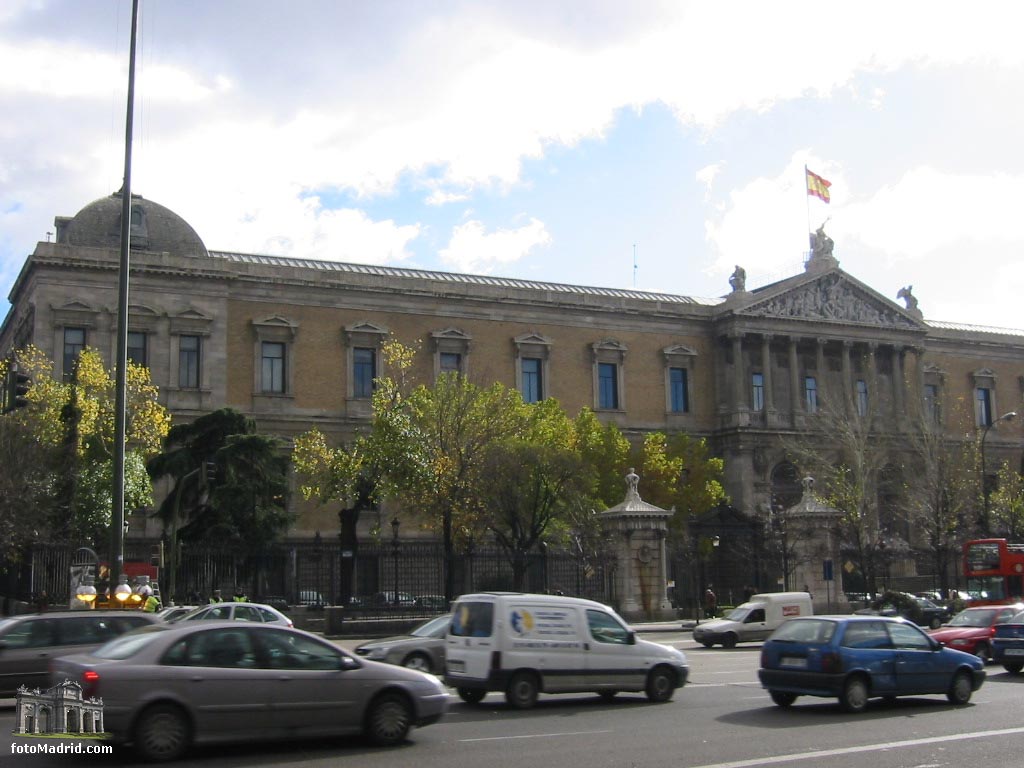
(817, 186)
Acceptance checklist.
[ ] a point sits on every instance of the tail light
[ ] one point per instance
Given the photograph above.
(831, 663)
(90, 682)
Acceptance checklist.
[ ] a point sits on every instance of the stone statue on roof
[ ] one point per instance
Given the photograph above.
(738, 281)
(821, 244)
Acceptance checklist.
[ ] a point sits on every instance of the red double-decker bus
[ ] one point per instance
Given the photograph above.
(994, 569)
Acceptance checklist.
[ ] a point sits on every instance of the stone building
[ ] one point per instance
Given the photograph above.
(60, 709)
(295, 343)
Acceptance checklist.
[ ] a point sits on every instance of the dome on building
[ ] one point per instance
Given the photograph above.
(153, 227)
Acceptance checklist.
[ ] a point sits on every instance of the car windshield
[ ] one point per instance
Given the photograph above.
(805, 631)
(434, 628)
(973, 618)
(128, 645)
(739, 613)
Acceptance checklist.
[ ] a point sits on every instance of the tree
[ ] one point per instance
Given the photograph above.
(847, 468)
(679, 473)
(534, 482)
(229, 483)
(605, 453)
(1008, 503)
(25, 488)
(74, 421)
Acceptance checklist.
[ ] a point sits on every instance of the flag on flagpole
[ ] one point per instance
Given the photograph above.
(817, 186)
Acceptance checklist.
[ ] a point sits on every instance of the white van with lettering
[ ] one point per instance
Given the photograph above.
(753, 620)
(524, 645)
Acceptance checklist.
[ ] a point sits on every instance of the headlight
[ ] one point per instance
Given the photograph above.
(378, 653)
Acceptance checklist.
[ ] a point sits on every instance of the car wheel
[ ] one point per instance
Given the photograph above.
(983, 652)
(730, 640)
(783, 698)
(960, 689)
(855, 695)
(935, 623)
(607, 695)
(471, 695)
(661, 684)
(522, 690)
(388, 720)
(1014, 667)
(708, 645)
(418, 661)
(161, 733)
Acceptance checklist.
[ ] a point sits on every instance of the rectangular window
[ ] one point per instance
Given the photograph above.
(862, 397)
(533, 391)
(679, 396)
(364, 371)
(188, 362)
(273, 373)
(607, 386)
(451, 362)
(74, 343)
(137, 347)
(931, 403)
(983, 406)
(811, 394)
(757, 396)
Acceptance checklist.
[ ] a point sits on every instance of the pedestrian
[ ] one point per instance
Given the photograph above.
(42, 601)
(239, 596)
(215, 597)
(710, 603)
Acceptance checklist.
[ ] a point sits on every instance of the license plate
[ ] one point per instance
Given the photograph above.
(1014, 652)
(792, 661)
(456, 665)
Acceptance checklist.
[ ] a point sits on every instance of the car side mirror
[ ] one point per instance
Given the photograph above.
(349, 663)
(631, 638)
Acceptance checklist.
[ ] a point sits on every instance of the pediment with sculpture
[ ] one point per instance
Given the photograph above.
(833, 297)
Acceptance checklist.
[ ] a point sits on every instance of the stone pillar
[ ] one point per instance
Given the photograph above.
(795, 405)
(637, 532)
(847, 379)
(766, 372)
(899, 384)
(739, 375)
(814, 523)
(872, 382)
(819, 363)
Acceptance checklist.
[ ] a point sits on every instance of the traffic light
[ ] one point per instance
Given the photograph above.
(156, 557)
(210, 472)
(16, 387)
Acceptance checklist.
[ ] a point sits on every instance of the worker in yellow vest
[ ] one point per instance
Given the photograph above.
(239, 596)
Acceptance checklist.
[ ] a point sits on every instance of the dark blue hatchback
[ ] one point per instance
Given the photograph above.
(857, 658)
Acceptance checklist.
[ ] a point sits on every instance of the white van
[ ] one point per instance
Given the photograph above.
(525, 644)
(753, 620)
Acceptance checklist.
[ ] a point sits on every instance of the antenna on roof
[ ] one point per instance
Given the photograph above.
(634, 266)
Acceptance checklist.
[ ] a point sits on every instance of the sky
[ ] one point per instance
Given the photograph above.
(642, 144)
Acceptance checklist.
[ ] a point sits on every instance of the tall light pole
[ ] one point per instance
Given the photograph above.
(985, 490)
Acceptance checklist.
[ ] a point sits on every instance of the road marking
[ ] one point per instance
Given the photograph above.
(537, 736)
(863, 747)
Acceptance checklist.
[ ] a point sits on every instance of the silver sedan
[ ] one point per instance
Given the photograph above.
(173, 685)
(422, 648)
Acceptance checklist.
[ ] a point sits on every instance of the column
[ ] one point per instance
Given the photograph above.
(899, 384)
(739, 375)
(766, 372)
(794, 384)
(847, 379)
(819, 363)
(872, 380)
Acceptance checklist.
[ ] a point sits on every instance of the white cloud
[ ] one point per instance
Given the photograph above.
(473, 249)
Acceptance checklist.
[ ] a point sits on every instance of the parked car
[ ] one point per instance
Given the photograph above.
(1008, 644)
(857, 658)
(258, 612)
(384, 599)
(311, 598)
(30, 641)
(422, 648)
(174, 612)
(195, 682)
(971, 630)
(433, 602)
(915, 609)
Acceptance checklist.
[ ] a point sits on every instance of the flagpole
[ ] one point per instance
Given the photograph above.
(807, 203)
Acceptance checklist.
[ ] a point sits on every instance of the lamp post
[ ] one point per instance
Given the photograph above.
(395, 523)
(985, 490)
(84, 572)
(318, 556)
(715, 544)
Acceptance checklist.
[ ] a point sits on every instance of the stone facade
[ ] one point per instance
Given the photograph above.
(61, 709)
(285, 341)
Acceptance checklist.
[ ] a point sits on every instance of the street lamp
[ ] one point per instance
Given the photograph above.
(395, 523)
(85, 573)
(985, 490)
